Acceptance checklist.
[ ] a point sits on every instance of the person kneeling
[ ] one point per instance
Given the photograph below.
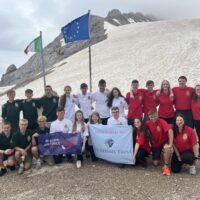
(22, 143)
(41, 130)
(185, 147)
(162, 140)
(6, 149)
(142, 143)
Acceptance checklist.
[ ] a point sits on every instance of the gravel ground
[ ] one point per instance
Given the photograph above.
(100, 180)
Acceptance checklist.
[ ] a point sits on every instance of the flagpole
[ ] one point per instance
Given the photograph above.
(90, 59)
(42, 61)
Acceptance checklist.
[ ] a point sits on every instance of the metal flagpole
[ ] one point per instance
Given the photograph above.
(90, 59)
(42, 61)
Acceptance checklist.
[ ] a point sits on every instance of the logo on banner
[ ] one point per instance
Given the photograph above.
(109, 143)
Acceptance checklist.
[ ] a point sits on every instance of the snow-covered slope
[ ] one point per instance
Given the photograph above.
(143, 51)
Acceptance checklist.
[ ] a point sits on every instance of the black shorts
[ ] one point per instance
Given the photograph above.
(156, 152)
(170, 120)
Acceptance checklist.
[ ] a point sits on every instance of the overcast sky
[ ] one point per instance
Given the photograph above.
(21, 21)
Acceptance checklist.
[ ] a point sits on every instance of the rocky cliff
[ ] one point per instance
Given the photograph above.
(56, 51)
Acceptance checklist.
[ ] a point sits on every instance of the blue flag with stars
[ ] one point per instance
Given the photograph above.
(78, 29)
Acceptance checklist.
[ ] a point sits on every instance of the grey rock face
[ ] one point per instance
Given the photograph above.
(55, 52)
(11, 68)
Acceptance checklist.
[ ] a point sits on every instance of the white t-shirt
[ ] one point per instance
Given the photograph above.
(78, 129)
(85, 103)
(101, 99)
(64, 126)
(70, 107)
(121, 104)
(119, 121)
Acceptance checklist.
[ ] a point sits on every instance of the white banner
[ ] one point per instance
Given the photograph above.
(113, 143)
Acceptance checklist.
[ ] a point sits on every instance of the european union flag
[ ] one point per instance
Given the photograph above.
(78, 29)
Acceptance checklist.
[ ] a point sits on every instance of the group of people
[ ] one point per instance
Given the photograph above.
(166, 123)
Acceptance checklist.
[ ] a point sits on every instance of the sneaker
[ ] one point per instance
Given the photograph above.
(192, 169)
(20, 170)
(38, 164)
(3, 171)
(166, 171)
(78, 164)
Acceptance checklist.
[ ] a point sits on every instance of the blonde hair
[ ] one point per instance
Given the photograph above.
(74, 126)
(25, 121)
(42, 118)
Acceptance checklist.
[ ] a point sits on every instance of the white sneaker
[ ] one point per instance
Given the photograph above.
(78, 164)
(38, 164)
(21, 170)
(192, 169)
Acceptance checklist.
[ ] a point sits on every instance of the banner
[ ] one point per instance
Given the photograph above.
(59, 143)
(113, 143)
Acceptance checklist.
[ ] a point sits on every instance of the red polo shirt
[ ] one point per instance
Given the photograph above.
(149, 100)
(196, 109)
(166, 106)
(159, 132)
(135, 105)
(142, 141)
(183, 97)
(185, 140)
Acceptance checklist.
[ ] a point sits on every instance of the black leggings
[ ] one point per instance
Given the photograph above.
(187, 157)
(141, 155)
(197, 128)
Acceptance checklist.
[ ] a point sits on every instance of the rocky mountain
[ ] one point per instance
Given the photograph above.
(57, 51)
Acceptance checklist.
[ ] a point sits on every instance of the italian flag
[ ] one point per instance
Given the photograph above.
(34, 46)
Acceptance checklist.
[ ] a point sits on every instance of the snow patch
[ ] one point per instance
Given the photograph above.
(131, 20)
(117, 21)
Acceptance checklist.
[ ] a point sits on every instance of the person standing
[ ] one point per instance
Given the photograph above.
(49, 104)
(85, 101)
(165, 100)
(116, 99)
(11, 110)
(196, 110)
(30, 108)
(135, 100)
(183, 100)
(68, 101)
(101, 99)
(149, 98)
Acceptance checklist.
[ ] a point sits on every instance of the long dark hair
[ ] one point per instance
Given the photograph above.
(176, 129)
(111, 96)
(145, 130)
(194, 95)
